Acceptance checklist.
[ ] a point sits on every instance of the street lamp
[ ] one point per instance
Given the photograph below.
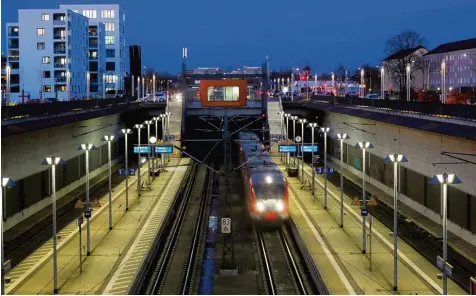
(294, 118)
(153, 86)
(148, 123)
(396, 159)
(287, 116)
(153, 141)
(162, 156)
(139, 186)
(302, 122)
(7, 90)
(52, 162)
(143, 87)
(126, 132)
(88, 79)
(138, 88)
(281, 122)
(109, 139)
(382, 83)
(408, 81)
(362, 83)
(312, 125)
(333, 83)
(445, 179)
(86, 148)
(6, 183)
(363, 145)
(68, 85)
(342, 137)
(443, 81)
(325, 130)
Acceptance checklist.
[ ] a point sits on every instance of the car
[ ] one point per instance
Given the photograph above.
(161, 96)
(372, 96)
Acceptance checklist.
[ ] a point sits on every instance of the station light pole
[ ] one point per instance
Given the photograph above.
(408, 82)
(294, 118)
(325, 130)
(88, 81)
(281, 122)
(103, 86)
(132, 87)
(86, 148)
(396, 159)
(138, 88)
(126, 132)
(148, 123)
(287, 115)
(302, 122)
(109, 139)
(312, 125)
(445, 179)
(7, 88)
(6, 183)
(362, 83)
(156, 119)
(52, 162)
(143, 87)
(139, 186)
(167, 129)
(153, 86)
(342, 137)
(382, 83)
(363, 145)
(162, 156)
(443, 81)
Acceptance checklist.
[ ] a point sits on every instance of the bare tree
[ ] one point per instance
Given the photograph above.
(407, 43)
(340, 72)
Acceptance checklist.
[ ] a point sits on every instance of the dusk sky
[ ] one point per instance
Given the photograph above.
(322, 34)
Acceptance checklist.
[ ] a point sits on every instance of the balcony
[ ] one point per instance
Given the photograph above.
(13, 31)
(60, 50)
(59, 23)
(59, 33)
(13, 43)
(60, 65)
(60, 80)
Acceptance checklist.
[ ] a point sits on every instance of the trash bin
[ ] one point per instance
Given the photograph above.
(292, 172)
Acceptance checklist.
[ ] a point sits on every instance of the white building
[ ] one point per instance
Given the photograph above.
(12, 62)
(114, 18)
(54, 44)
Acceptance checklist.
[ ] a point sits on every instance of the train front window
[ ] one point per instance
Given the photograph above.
(268, 190)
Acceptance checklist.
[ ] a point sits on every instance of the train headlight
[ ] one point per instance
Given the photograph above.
(279, 206)
(260, 206)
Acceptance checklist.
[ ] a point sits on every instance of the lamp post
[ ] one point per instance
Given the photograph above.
(294, 118)
(362, 83)
(109, 139)
(139, 186)
(126, 132)
(342, 137)
(302, 122)
(7, 90)
(281, 121)
(153, 141)
(86, 148)
(445, 179)
(162, 156)
(138, 88)
(291, 87)
(132, 86)
(103, 86)
(52, 162)
(153, 86)
(143, 87)
(443, 81)
(156, 119)
(408, 82)
(167, 129)
(382, 83)
(148, 123)
(363, 145)
(345, 81)
(333, 83)
(312, 125)
(287, 115)
(325, 130)
(68, 85)
(6, 183)
(88, 81)
(396, 159)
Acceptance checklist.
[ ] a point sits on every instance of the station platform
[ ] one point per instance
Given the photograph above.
(458, 244)
(337, 251)
(34, 275)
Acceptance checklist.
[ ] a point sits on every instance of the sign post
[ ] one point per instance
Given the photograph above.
(80, 222)
(371, 221)
(226, 225)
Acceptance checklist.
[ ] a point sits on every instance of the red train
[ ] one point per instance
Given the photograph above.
(266, 186)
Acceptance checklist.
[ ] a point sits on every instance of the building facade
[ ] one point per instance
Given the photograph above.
(54, 62)
(114, 18)
(395, 69)
(460, 64)
(12, 73)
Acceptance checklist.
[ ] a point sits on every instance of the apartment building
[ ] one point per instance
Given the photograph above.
(97, 58)
(114, 18)
(460, 64)
(11, 69)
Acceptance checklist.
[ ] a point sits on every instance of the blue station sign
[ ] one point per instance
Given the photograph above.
(287, 148)
(164, 149)
(309, 148)
(321, 170)
(123, 172)
(143, 149)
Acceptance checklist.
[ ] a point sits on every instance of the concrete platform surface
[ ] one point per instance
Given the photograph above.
(107, 246)
(338, 251)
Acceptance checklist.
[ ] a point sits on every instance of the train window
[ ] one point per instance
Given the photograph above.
(223, 93)
(268, 191)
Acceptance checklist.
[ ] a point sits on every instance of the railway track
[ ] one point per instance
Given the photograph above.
(173, 272)
(284, 267)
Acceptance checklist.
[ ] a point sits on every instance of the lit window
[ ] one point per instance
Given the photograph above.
(109, 27)
(47, 88)
(90, 13)
(107, 13)
(110, 39)
(40, 45)
(75, 10)
(46, 60)
(111, 78)
(40, 31)
(45, 17)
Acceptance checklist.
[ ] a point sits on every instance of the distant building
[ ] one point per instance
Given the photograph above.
(114, 19)
(205, 70)
(135, 60)
(395, 64)
(460, 60)
(248, 70)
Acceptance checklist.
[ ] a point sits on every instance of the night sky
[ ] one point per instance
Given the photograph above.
(322, 34)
